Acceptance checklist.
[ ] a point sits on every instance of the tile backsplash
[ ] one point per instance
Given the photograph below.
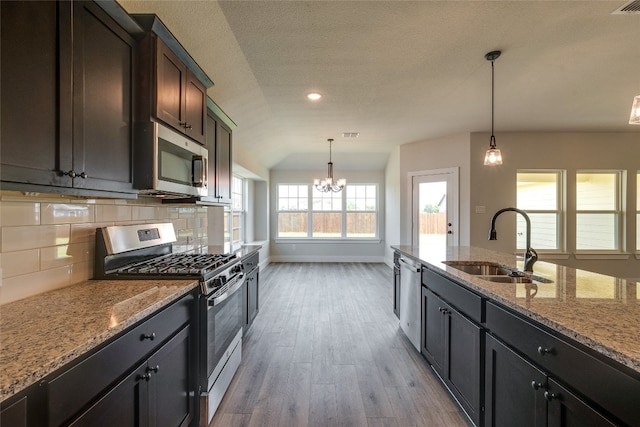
(47, 241)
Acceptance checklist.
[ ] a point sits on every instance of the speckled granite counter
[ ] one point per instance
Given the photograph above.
(44, 332)
(601, 312)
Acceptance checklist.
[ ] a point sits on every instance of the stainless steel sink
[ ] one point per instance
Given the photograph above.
(480, 268)
(494, 272)
(515, 279)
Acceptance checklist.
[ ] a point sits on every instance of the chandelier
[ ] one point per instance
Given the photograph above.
(327, 184)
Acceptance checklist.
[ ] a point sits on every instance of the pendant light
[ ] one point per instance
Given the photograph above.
(493, 156)
(634, 119)
(327, 184)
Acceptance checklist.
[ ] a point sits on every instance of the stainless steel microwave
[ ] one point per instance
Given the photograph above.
(168, 164)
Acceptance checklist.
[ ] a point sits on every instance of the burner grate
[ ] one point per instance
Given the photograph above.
(178, 264)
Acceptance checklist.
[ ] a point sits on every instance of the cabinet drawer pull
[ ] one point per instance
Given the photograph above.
(544, 351)
(151, 336)
(550, 396)
(536, 385)
(145, 377)
(83, 175)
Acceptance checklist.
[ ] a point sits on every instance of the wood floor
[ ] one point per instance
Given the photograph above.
(326, 350)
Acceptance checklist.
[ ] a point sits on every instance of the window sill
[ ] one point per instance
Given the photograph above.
(602, 255)
(637, 255)
(553, 255)
(304, 240)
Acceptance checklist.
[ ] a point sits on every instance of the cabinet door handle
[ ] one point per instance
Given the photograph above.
(145, 377)
(73, 174)
(550, 396)
(536, 385)
(154, 369)
(544, 351)
(150, 337)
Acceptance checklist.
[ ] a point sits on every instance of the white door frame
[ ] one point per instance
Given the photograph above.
(452, 176)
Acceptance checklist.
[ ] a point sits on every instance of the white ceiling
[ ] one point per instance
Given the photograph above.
(400, 72)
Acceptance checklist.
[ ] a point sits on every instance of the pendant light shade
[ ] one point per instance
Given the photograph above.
(327, 184)
(493, 156)
(634, 119)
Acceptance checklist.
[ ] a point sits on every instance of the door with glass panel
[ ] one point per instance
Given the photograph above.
(435, 208)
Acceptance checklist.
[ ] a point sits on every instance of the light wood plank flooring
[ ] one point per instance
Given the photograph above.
(326, 350)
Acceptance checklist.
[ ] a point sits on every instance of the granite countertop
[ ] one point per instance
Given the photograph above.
(42, 333)
(599, 311)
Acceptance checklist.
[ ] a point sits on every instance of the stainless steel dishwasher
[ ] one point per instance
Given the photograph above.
(410, 300)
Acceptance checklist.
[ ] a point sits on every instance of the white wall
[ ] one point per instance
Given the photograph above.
(392, 203)
(328, 251)
(257, 209)
(495, 187)
(446, 152)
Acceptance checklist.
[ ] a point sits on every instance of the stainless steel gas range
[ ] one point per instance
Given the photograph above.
(144, 251)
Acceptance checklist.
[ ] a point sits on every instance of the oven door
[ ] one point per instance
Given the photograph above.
(224, 321)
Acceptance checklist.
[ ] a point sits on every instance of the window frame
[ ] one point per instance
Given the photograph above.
(619, 211)
(310, 211)
(560, 211)
(231, 211)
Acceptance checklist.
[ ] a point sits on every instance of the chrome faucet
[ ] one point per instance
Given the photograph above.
(530, 255)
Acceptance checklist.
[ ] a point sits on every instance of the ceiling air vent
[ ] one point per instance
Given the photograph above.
(357, 134)
(632, 6)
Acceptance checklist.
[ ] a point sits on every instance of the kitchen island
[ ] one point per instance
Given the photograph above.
(589, 322)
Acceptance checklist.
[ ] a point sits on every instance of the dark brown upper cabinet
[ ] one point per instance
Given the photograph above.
(173, 87)
(67, 99)
(219, 144)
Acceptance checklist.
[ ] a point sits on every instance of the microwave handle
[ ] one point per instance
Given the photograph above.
(199, 165)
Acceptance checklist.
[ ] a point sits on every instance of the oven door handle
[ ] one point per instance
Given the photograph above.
(233, 289)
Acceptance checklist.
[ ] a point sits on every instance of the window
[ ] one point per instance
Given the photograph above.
(327, 214)
(361, 210)
(598, 210)
(234, 215)
(237, 211)
(293, 208)
(539, 193)
(304, 212)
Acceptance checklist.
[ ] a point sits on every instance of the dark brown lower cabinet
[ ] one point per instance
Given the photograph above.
(511, 388)
(566, 409)
(156, 393)
(518, 393)
(252, 284)
(453, 345)
(26, 409)
(396, 291)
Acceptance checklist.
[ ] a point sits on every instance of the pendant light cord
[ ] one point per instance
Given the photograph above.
(492, 141)
(492, 56)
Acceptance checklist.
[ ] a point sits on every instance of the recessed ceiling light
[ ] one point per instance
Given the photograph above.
(314, 96)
